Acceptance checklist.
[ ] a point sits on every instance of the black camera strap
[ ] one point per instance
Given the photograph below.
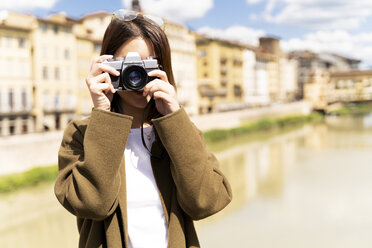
(115, 107)
(143, 120)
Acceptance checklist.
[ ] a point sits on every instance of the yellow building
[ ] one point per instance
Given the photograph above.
(89, 31)
(325, 88)
(183, 53)
(220, 75)
(15, 73)
(350, 86)
(317, 90)
(54, 72)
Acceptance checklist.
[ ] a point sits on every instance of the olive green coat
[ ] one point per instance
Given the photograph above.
(91, 180)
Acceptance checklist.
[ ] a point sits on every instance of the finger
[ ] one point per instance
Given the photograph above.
(109, 69)
(99, 68)
(161, 95)
(100, 88)
(159, 73)
(103, 77)
(158, 85)
(102, 58)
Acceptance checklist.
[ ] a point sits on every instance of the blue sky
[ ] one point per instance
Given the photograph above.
(339, 26)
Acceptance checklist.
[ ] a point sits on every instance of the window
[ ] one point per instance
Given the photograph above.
(24, 124)
(238, 91)
(8, 41)
(71, 101)
(202, 53)
(11, 99)
(56, 52)
(21, 42)
(45, 72)
(57, 75)
(67, 54)
(9, 66)
(23, 70)
(55, 29)
(46, 101)
(44, 50)
(67, 73)
(12, 125)
(97, 48)
(24, 99)
(43, 27)
(57, 102)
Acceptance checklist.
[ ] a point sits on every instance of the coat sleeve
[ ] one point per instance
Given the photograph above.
(202, 189)
(89, 158)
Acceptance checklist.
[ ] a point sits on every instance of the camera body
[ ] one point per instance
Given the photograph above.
(133, 71)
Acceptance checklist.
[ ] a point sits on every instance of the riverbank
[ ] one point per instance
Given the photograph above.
(33, 177)
(263, 125)
(12, 182)
(349, 109)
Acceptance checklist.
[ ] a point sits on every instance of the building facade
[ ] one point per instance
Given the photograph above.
(16, 76)
(255, 78)
(308, 62)
(183, 53)
(220, 75)
(54, 73)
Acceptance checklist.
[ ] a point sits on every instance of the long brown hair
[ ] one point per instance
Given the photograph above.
(118, 32)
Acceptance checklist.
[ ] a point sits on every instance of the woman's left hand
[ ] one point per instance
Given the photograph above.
(163, 92)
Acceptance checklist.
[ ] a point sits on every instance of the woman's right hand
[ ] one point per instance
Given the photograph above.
(99, 82)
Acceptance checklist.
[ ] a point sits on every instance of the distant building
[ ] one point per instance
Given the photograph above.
(55, 70)
(317, 89)
(89, 31)
(16, 74)
(44, 63)
(350, 86)
(325, 88)
(220, 75)
(288, 89)
(309, 62)
(183, 52)
(255, 79)
(269, 51)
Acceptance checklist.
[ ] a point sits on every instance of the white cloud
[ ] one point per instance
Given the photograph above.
(317, 14)
(339, 41)
(235, 33)
(253, 1)
(23, 5)
(175, 10)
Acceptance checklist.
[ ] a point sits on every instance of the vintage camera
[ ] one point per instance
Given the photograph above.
(133, 71)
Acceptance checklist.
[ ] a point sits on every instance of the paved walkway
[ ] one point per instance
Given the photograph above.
(236, 118)
(22, 152)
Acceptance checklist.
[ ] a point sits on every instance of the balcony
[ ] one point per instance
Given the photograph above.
(208, 91)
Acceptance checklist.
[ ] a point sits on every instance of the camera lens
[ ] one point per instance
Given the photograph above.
(134, 77)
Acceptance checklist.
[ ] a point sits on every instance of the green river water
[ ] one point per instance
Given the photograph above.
(309, 187)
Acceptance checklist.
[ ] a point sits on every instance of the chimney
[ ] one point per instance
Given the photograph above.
(136, 6)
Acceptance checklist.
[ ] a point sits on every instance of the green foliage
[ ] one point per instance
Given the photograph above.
(9, 183)
(262, 125)
(352, 109)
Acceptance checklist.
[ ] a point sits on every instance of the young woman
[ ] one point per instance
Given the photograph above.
(122, 195)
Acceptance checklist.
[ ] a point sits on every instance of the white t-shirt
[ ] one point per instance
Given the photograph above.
(146, 221)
